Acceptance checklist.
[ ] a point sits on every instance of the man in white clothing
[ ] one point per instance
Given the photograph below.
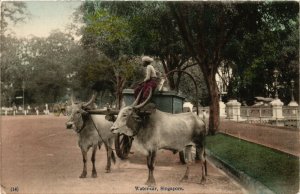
(150, 81)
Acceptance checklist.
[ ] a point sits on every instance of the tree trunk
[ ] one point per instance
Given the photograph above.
(171, 82)
(214, 103)
(178, 81)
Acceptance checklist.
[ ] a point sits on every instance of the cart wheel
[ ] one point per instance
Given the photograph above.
(188, 153)
(56, 110)
(123, 144)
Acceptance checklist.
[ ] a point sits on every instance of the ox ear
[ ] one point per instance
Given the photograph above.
(84, 114)
(135, 116)
(133, 122)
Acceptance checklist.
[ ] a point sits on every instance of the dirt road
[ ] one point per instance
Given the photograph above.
(40, 156)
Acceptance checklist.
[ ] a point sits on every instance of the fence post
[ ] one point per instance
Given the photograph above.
(222, 109)
(260, 115)
(233, 109)
(248, 114)
(277, 109)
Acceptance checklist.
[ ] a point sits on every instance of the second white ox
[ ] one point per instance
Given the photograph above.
(154, 130)
(92, 131)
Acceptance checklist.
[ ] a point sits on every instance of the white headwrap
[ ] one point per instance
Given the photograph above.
(148, 59)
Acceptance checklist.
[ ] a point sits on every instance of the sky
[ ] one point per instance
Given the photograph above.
(45, 17)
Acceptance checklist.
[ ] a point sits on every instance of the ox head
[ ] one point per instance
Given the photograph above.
(130, 118)
(78, 114)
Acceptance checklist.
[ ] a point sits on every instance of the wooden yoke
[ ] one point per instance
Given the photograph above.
(103, 112)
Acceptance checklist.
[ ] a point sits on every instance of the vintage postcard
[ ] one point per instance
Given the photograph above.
(149, 97)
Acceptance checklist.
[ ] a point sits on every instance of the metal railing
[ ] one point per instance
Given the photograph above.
(261, 114)
(290, 112)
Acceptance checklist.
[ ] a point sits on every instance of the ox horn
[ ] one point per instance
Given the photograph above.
(145, 102)
(137, 99)
(91, 100)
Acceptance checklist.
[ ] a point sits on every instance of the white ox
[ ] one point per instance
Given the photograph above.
(92, 131)
(156, 130)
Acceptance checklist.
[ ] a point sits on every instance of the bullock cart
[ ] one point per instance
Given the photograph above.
(166, 101)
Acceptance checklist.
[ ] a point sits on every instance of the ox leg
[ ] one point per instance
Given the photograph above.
(150, 163)
(93, 159)
(188, 151)
(200, 149)
(108, 157)
(187, 172)
(84, 159)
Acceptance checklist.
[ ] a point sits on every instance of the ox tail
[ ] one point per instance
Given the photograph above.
(201, 153)
(205, 163)
(204, 142)
(204, 155)
(113, 157)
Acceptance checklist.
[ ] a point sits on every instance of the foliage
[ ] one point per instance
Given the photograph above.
(154, 34)
(275, 169)
(53, 64)
(9, 65)
(254, 56)
(12, 12)
(187, 87)
(214, 32)
(206, 28)
(112, 36)
(42, 66)
(107, 32)
(178, 34)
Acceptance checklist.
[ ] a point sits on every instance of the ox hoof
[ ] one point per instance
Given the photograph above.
(150, 183)
(83, 175)
(94, 174)
(107, 170)
(203, 180)
(185, 178)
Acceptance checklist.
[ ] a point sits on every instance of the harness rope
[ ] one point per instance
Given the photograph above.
(99, 133)
(83, 126)
(130, 137)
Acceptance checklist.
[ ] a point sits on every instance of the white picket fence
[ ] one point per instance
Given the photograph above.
(262, 115)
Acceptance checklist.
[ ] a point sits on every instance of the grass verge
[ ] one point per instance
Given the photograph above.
(276, 170)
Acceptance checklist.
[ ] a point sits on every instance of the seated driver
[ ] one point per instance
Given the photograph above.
(150, 81)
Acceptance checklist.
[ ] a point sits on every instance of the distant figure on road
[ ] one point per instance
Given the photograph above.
(14, 107)
(46, 109)
(36, 110)
(28, 109)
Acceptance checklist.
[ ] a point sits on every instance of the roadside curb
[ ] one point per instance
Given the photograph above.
(253, 186)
